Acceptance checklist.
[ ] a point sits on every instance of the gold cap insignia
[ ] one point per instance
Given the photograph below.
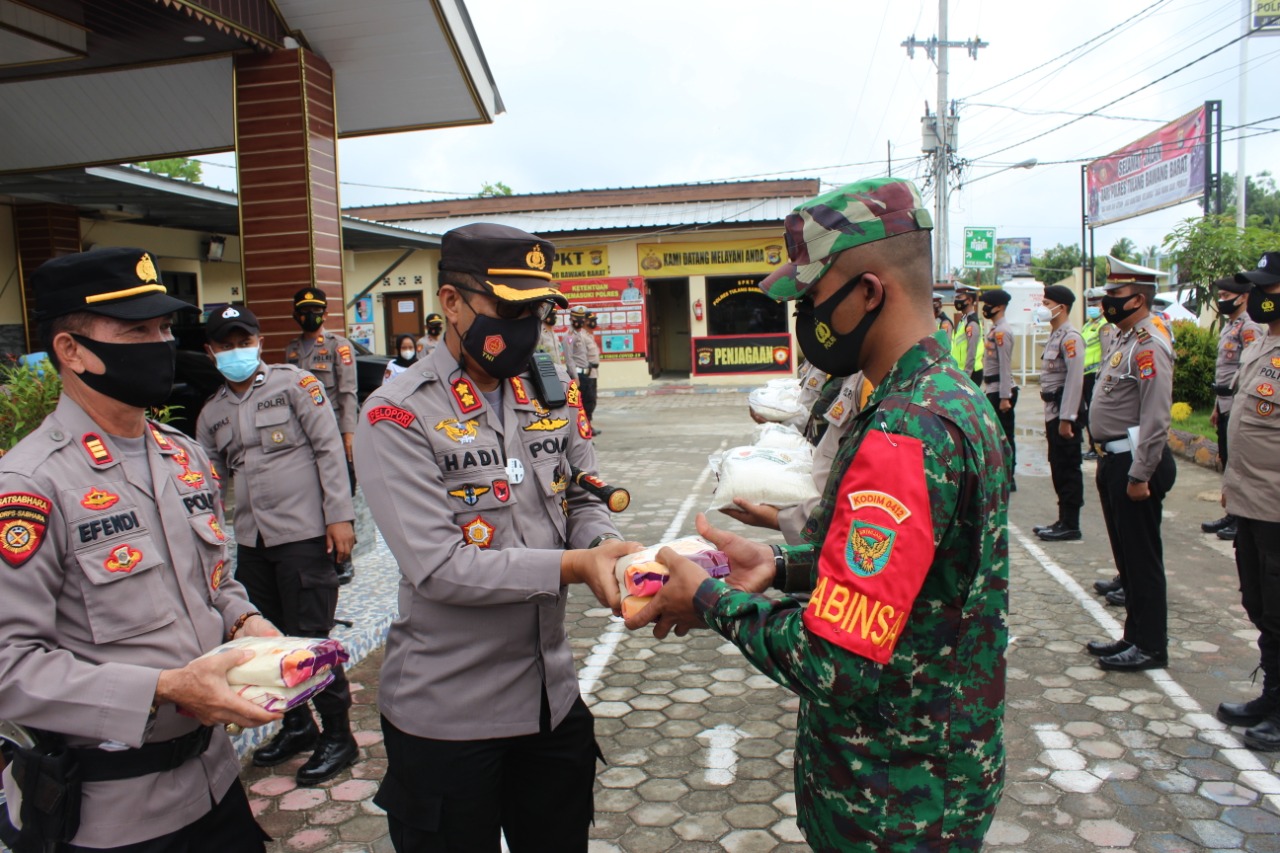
(535, 259)
(146, 269)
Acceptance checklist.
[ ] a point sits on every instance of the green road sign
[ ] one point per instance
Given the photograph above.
(979, 248)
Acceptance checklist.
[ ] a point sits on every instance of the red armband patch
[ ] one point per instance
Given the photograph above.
(877, 551)
(397, 416)
(1146, 362)
(23, 519)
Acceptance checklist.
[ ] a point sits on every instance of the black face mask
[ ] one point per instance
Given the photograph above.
(138, 375)
(989, 312)
(1113, 308)
(310, 322)
(961, 306)
(1227, 307)
(1264, 308)
(826, 349)
(501, 347)
(434, 329)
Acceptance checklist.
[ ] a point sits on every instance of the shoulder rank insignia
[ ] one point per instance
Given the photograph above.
(573, 396)
(397, 416)
(97, 498)
(546, 424)
(477, 532)
(97, 450)
(518, 391)
(465, 395)
(162, 440)
(23, 519)
(463, 432)
(470, 495)
(1143, 335)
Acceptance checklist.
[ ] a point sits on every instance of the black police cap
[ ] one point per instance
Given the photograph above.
(1231, 285)
(1060, 294)
(433, 317)
(514, 265)
(120, 282)
(309, 297)
(223, 322)
(995, 297)
(1267, 272)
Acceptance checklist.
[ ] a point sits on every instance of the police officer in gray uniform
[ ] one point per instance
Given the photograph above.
(270, 427)
(435, 329)
(582, 359)
(1061, 386)
(1251, 493)
(1129, 423)
(330, 358)
(115, 581)
(997, 370)
(468, 469)
(1237, 332)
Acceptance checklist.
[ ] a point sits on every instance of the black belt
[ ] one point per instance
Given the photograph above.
(1224, 390)
(1051, 396)
(993, 377)
(100, 765)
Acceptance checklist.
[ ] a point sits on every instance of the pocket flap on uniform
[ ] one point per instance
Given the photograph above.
(126, 557)
(272, 416)
(208, 529)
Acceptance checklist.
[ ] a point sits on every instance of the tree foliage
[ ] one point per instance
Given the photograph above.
(1193, 369)
(1262, 200)
(1125, 249)
(1213, 247)
(497, 188)
(175, 167)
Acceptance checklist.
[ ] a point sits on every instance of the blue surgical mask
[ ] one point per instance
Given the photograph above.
(238, 364)
(1094, 311)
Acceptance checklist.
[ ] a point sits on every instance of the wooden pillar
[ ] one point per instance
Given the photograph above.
(287, 158)
(41, 232)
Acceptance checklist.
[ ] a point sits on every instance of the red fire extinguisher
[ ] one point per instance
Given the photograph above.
(697, 310)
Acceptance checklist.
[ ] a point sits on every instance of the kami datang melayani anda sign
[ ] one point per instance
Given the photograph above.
(763, 255)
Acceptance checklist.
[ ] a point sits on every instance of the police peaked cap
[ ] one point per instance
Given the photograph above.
(309, 296)
(513, 265)
(115, 282)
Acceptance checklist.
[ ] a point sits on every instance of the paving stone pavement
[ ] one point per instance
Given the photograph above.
(700, 745)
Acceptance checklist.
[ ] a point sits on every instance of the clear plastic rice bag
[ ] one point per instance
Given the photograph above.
(765, 475)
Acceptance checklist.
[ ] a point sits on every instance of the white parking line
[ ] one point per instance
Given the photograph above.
(602, 653)
(1254, 772)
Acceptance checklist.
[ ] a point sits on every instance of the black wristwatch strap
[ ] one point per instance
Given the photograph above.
(779, 568)
(601, 538)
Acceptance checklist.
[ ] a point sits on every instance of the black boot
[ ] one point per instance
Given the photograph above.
(336, 750)
(1249, 713)
(1104, 587)
(1045, 528)
(1265, 736)
(1215, 526)
(1116, 597)
(298, 735)
(1228, 533)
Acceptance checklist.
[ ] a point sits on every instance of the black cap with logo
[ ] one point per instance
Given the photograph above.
(309, 297)
(223, 322)
(1267, 272)
(115, 282)
(514, 265)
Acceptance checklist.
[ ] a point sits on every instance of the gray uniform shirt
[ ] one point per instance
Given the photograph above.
(997, 360)
(839, 417)
(550, 344)
(426, 344)
(110, 578)
(281, 445)
(1135, 388)
(330, 359)
(477, 509)
(1062, 367)
(1252, 479)
(578, 347)
(1232, 340)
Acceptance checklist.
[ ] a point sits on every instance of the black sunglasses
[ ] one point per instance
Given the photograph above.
(509, 311)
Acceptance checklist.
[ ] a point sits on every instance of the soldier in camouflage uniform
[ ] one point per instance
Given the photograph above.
(899, 655)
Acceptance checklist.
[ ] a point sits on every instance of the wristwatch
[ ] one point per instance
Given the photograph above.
(1134, 481)
(779, 569)
(601, 538)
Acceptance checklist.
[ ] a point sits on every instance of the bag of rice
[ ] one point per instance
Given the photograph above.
(766, 475)
(778, 401)
(284, 672)
(782, 436)
(640, 575)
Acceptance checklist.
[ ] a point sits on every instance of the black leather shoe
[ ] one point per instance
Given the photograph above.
(1134, 659)
(1228, 534)
(1104, 587)
(1062, 534)
(1116, 597)
(346, 572)
(1090, 455)
(1265, 736)
(298, 735)
(1215, 526)
(1103, 649)
(1042, 528)
(336, 750)
(1249, 713)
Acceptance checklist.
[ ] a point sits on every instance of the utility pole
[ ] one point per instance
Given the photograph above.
(940, 133)
(1241, 179)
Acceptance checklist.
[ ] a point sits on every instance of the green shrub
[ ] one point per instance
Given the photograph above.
(29, 395)
(1197, 351)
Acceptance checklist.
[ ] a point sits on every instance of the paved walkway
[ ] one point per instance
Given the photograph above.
(700, 745)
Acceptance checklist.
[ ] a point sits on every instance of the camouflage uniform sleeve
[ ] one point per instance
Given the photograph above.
(832, 649)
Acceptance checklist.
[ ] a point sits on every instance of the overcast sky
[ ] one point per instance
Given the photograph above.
(621, 95)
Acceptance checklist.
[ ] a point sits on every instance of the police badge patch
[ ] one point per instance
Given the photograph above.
(23, 518)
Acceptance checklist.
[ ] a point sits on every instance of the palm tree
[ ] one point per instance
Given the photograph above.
(1125, 250)
(1152, 254)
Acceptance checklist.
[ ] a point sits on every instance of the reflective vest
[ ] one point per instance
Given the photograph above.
(1092, 333)
(960, 344)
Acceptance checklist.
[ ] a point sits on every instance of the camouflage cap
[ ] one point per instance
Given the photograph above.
(852, 215)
